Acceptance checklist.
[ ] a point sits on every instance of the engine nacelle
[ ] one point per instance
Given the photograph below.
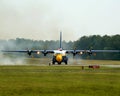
(74, 52)
(29, 52)
(45, 52)
(89, 52)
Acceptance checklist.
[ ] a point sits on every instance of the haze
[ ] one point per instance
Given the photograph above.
(44, 19)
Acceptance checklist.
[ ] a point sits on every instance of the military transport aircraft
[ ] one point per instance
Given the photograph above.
(59, 55)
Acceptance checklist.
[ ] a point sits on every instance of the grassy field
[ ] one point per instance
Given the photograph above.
(32, 80)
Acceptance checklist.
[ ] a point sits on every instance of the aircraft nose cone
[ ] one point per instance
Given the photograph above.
(59, 58)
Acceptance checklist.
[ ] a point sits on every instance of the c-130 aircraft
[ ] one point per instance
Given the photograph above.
(59, 55)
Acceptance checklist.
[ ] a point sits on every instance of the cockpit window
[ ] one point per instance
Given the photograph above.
(63, 53)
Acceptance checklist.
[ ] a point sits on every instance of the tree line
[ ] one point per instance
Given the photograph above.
(95, 42)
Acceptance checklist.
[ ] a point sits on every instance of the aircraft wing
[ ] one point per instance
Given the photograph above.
(29, 52)
(105, 50)
(22, 51)
(74, 52)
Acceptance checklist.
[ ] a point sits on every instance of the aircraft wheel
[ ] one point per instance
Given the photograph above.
(66, 63)
(59, 63)
(53, 62)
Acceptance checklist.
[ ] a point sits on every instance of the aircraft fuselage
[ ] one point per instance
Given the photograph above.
(59, 57)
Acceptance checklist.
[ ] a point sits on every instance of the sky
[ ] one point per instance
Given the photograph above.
(44, 19)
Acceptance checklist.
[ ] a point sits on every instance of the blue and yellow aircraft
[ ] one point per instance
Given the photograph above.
(59, 55)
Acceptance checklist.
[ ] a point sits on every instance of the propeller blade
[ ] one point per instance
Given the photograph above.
(29, 52)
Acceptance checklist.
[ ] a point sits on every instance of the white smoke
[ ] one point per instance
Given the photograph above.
(11, 61)
(7, 58)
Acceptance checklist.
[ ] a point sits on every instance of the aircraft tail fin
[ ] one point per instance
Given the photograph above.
(60, 40)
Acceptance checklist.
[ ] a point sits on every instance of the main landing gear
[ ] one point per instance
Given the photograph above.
(64, 59)
(59, 63)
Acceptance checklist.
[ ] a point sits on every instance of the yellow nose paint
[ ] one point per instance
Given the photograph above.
(59, 57)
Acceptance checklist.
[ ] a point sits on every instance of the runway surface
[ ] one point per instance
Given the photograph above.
(47, 62)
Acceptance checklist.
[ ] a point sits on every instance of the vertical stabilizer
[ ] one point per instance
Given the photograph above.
(60, 40)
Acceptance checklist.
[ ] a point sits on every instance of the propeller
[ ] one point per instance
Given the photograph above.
(45, 52)
(89, 52)
(29, 52)
(74, 53)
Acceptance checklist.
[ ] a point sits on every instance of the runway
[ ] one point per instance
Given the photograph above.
(47, 62)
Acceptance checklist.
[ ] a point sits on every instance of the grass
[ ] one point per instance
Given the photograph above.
(59, 81)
